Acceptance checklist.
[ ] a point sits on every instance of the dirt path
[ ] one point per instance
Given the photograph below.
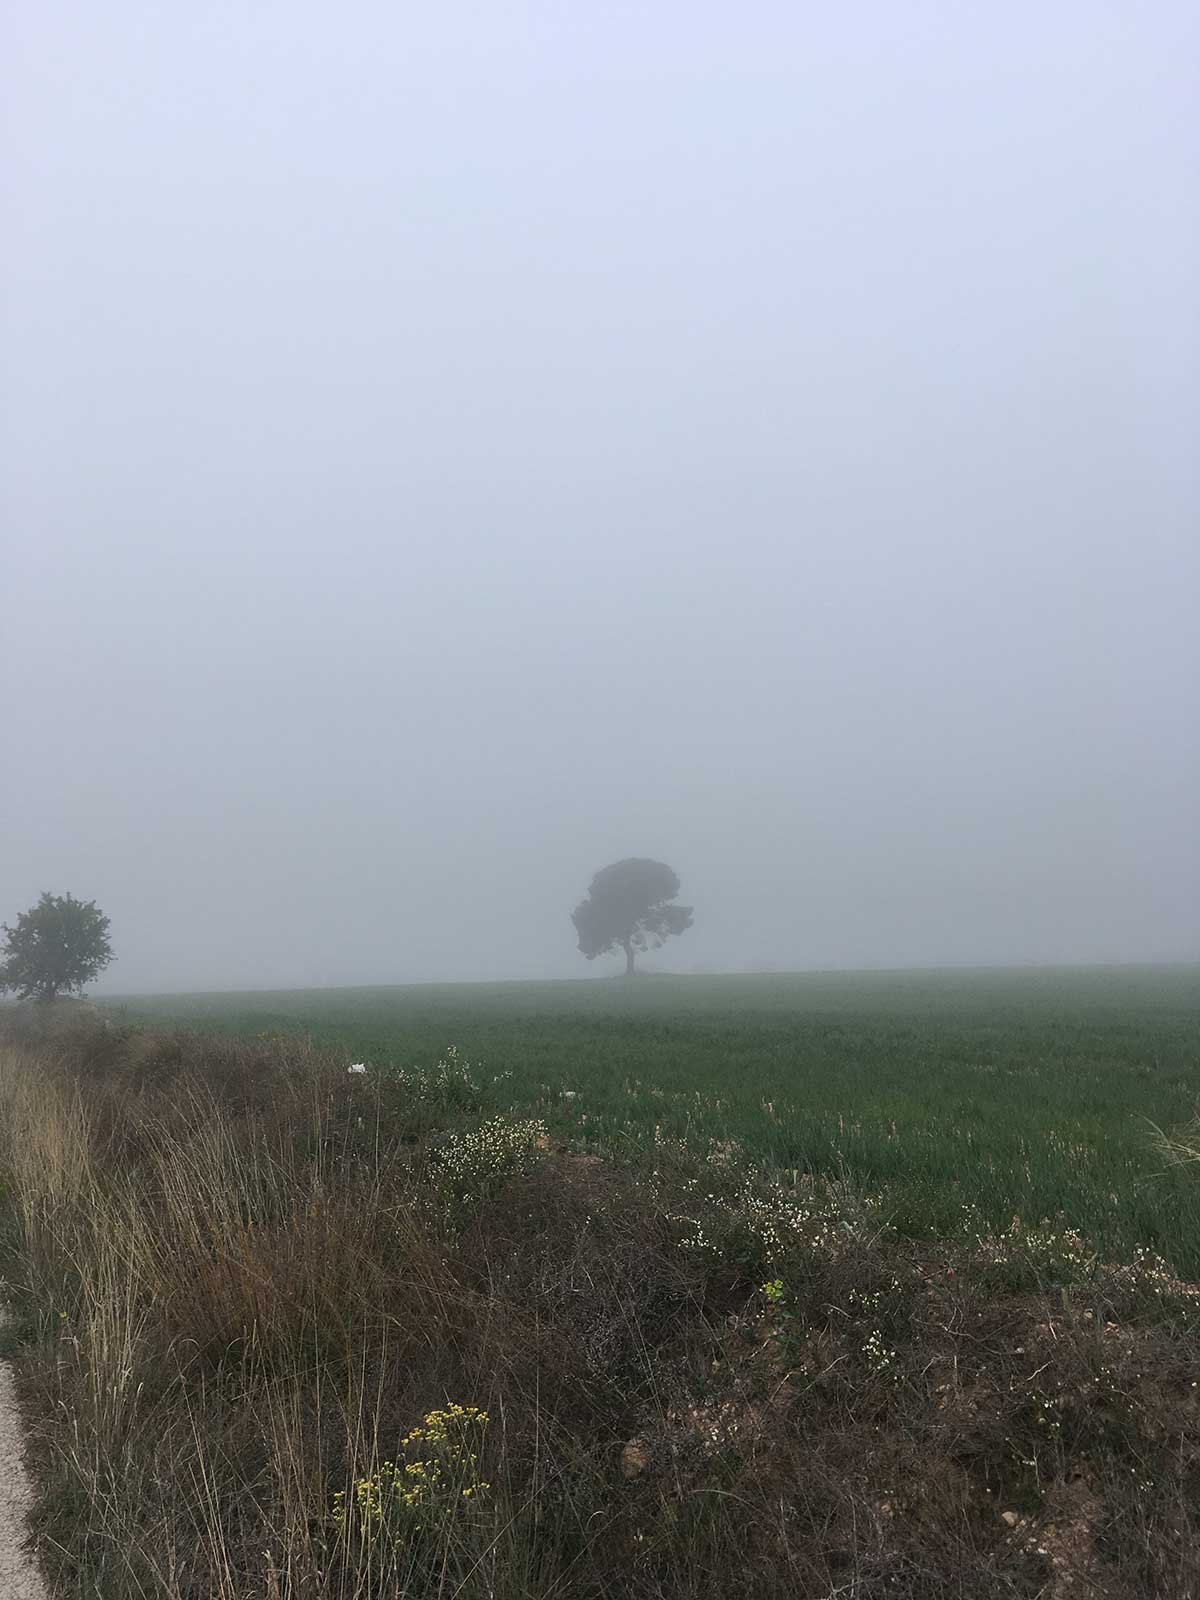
(19, 1578)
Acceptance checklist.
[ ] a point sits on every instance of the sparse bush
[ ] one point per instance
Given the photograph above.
(450, 1085)
(760, 1225)
(472, 1164)
(429, 1509)
(1029, 1258)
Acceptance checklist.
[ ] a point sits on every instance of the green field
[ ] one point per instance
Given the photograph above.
(1027, 1093)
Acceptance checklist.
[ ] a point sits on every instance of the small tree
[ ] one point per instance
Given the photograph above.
(56, 947)
(628, 904)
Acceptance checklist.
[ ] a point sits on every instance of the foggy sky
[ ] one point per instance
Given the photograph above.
(449, 447)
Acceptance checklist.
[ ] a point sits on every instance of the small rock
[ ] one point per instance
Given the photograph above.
(1010, 1518)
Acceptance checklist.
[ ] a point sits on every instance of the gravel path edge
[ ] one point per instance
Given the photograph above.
(19, 1576)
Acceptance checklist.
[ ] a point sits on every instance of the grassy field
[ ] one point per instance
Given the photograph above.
(284, 1332)
(1027, 1093)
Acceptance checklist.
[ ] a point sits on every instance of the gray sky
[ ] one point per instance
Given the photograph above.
(447, 447)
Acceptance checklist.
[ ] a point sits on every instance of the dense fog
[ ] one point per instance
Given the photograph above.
(449, 448)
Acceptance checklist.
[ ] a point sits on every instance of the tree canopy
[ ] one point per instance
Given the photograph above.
(56, 947)
(630, 905)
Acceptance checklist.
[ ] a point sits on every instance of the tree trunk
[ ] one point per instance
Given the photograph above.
(628, 949)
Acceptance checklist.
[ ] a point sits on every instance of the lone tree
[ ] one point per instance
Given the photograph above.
(629, 904)
(56, 947)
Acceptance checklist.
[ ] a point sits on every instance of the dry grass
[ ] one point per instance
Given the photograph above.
(246, 1278)
(1180, 1149)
